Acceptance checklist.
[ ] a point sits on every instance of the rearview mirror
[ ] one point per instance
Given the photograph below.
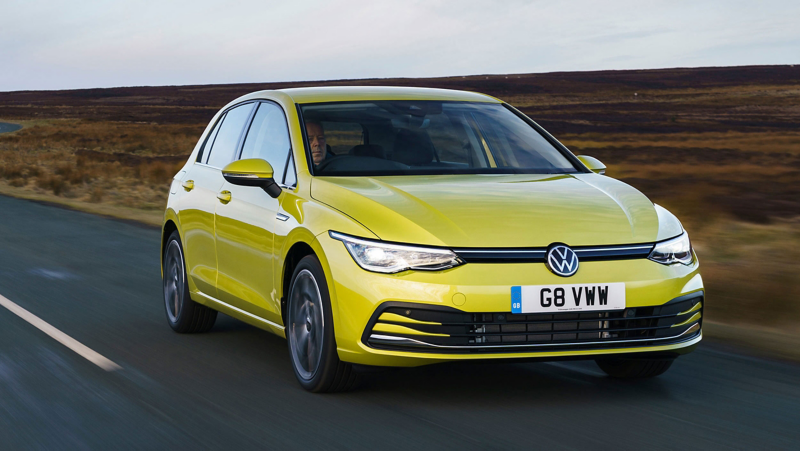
(593, 164)
(252, 172)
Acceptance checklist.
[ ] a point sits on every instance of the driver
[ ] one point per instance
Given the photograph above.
(316, 140)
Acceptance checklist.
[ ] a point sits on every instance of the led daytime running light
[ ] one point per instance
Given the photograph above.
(388, 258)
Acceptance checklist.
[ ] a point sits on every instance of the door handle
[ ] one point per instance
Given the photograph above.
(188, 185)
(224, 197)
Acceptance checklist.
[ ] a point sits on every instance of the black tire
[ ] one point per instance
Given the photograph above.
(634, 368)
(316, 371)
(183, 314)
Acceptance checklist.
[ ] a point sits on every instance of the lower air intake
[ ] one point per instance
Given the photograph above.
(423, 328)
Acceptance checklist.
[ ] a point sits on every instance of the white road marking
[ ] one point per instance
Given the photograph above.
(59, 336)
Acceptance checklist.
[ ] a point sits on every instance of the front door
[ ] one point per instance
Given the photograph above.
(245, 223)
(203, 181)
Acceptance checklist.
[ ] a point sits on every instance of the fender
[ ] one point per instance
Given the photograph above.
(303, 212)
(169, 215)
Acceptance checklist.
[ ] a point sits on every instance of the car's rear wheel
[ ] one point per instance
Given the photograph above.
(183, 314)
(309, 332)
(634, 368)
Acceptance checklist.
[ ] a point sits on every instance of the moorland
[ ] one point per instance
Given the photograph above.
(720, 147)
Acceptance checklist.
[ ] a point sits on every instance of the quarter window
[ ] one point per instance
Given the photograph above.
(268, 138)
(203, 155)
(227, 140)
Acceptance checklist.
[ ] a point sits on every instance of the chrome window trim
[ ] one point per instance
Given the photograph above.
(207, 165)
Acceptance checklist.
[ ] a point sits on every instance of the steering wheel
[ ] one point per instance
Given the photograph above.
(327, 162)
(359, 164)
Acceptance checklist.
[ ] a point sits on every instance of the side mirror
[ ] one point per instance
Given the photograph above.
(252, 172)
(593, 164)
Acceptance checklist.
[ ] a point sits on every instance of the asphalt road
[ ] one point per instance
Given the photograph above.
(98, 281)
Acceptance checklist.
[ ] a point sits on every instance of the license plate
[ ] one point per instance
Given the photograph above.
(567, 298)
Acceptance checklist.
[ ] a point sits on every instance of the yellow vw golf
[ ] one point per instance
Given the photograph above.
(406, 226)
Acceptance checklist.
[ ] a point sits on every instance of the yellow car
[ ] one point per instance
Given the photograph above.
(392, 226)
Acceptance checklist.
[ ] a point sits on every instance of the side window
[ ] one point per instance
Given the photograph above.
(202, 156)
(268, 138)
(225, 144)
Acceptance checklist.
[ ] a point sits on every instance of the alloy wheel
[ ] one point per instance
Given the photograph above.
(173, 281)
(306, 324)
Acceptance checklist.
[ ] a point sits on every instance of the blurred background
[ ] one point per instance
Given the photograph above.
(695, 103)
(720, 147)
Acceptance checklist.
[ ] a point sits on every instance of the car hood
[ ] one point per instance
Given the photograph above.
(519, 210)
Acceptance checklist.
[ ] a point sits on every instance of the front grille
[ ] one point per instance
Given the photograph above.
(537, 254)
(406, 326)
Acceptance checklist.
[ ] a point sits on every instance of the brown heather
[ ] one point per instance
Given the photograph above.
(720, 147)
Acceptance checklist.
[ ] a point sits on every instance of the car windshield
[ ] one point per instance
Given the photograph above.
(373, 138)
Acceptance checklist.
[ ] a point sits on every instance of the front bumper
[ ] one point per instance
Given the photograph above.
(473, 305)
(424, 328)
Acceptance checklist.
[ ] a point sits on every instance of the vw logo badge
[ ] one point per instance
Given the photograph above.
(561, 260)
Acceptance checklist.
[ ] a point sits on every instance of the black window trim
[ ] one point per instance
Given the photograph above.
(288, 132)
(302, 122)
(245, 131)
(205, 143)
(580, 167)
(550, 138)
(286, 171)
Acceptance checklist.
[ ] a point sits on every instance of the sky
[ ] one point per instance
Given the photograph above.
(53, 44)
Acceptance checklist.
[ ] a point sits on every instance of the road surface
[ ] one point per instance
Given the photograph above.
(97, 280)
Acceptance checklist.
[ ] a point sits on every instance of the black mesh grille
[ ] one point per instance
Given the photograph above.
(437, 329)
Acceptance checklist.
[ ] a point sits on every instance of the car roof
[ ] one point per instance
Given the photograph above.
(355, 93)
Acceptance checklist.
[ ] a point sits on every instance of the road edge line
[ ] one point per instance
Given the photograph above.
(59, 336)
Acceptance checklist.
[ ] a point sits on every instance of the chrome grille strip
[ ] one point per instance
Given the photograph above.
(556, 321)
(537, 255)
(692, 329)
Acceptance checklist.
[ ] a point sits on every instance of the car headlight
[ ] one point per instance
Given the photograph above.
(391, 258)
(675, 250)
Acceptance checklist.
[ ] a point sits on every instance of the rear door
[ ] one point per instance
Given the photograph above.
(203, 182)
(245, 225)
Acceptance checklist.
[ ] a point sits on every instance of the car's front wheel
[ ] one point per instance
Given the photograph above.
(183, 314)
(309, 331)
(634, 368)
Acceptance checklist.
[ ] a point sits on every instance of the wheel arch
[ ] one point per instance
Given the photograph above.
(296, 252)
(171, 225)
(300, 243)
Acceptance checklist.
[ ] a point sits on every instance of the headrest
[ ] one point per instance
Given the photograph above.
(412, 148)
